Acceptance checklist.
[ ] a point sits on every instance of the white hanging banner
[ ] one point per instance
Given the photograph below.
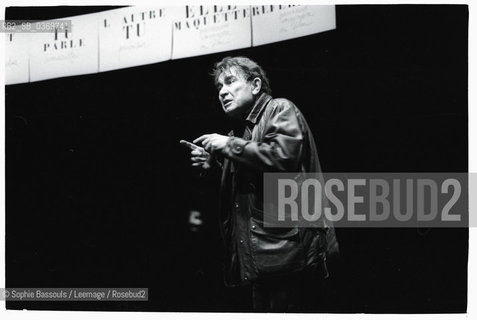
(16, 57)
(274, 23)
(66, 53)
(135, 36)
(211, 29)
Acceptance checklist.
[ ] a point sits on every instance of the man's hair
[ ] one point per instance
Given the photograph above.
(249, 69)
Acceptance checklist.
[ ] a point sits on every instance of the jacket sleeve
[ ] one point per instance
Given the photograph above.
(279, 149)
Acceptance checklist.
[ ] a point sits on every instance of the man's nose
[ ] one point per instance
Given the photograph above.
(222, 92)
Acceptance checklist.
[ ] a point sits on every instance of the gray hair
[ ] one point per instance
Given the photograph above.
(249, 69)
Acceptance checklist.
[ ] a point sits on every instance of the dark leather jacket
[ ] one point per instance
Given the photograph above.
(276, 138)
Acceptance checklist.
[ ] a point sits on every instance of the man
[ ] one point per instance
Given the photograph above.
(273, 136)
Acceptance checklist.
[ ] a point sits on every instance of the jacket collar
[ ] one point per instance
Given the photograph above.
(258, 107)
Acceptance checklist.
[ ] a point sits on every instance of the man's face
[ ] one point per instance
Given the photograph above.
(235, 93)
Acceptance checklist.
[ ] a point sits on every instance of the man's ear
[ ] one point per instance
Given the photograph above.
(256, 85)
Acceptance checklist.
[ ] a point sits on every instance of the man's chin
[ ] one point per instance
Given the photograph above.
(231, 112)
(235, 112)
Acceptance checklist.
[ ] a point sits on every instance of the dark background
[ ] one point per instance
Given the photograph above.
(99, 190)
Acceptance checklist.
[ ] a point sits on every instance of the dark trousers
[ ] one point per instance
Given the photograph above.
(290, 293)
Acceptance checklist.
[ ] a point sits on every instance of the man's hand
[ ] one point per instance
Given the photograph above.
(199, 157)
(212, 142)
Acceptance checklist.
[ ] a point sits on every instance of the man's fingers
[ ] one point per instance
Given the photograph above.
(206, 143)
(197, 164)
(197, 159)
(197, 152)
(189, 144)
(201, 138)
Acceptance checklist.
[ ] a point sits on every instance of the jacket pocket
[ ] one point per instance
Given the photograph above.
(276, 250)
